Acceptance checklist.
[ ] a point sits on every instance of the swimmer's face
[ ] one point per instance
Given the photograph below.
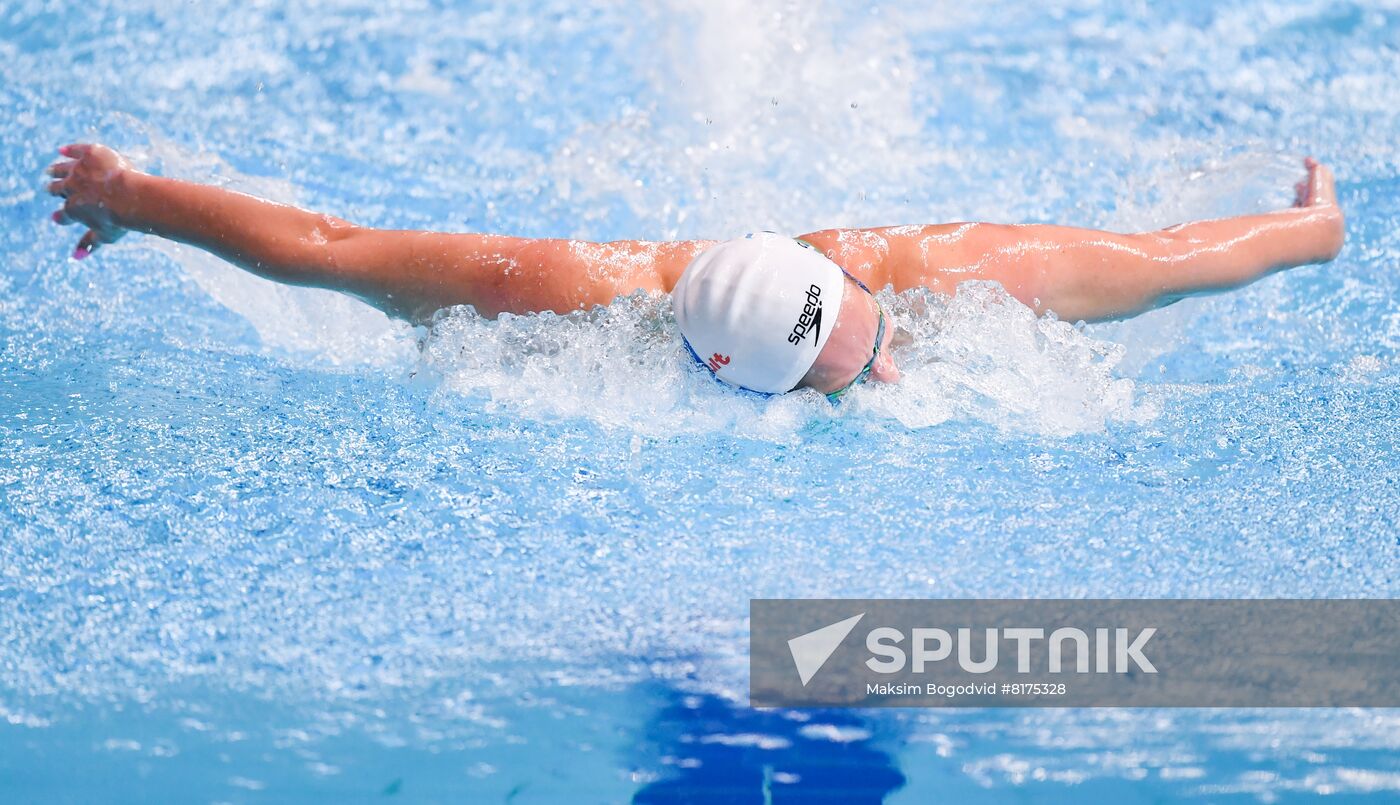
(851, 343)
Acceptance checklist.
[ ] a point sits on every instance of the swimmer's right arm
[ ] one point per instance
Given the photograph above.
(408, 274)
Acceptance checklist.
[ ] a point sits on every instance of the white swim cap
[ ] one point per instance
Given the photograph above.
(757, 310)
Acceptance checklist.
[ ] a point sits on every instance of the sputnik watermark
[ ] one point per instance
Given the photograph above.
(1123, 646)
(1118, 650)
(1075, 653)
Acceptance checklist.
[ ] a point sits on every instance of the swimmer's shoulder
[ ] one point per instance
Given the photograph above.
(935, 256)
(864, 253)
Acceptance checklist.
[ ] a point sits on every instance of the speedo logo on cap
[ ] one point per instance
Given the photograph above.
(811, 319)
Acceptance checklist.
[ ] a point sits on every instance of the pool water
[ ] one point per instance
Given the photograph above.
(261, 544)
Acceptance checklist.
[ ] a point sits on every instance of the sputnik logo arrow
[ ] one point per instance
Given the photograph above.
(811, 651)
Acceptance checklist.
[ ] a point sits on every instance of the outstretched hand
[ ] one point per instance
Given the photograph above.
(87, 178)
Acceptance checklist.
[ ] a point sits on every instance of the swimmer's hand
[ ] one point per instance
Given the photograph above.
(1318, 194)
(89, 179)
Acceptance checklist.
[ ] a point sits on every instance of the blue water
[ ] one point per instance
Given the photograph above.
(261, 544)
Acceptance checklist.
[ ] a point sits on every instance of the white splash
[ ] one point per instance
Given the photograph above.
(622, 366)
(984, 356)
(981, 356)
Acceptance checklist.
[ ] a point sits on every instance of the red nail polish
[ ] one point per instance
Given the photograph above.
(81, 252)
(58, 216)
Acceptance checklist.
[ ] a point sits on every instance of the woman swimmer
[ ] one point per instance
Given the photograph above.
(763, 312)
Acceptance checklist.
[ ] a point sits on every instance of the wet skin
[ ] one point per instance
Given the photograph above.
(1079, 274)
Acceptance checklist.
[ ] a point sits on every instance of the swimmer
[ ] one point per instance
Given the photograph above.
(762, 312)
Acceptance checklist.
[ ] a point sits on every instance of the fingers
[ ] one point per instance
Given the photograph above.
(1325, 186)
(1321, 185)
(62, 171)
(86, 245)
(1318, 188)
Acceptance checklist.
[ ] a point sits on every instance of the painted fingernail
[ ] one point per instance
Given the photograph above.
(57, 217)
(63, 150)
(81, 252)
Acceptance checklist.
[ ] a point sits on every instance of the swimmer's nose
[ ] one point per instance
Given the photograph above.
(885, 370)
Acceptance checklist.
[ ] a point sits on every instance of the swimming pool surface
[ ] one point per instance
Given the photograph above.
(260, 544)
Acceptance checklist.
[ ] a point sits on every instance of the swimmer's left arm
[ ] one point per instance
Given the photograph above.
(1092, 275)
